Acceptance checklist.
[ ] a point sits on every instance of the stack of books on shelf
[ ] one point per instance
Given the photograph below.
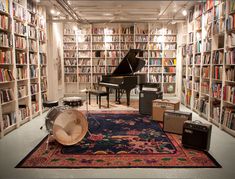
(8, 119)
(228, 117)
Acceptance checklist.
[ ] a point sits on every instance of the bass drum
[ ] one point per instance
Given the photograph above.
(69, 125)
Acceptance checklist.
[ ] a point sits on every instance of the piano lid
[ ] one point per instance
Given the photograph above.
(130, 63)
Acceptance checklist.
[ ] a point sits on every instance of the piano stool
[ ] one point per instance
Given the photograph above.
(99, 94)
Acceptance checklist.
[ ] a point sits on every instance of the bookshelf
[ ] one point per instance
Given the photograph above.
(210, 67)
(107, 44)
(19, 63)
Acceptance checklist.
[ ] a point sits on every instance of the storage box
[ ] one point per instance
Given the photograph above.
(160, 105)
(173, 121)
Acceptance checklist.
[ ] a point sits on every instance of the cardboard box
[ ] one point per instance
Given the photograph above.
(160, 105)
(173, 121)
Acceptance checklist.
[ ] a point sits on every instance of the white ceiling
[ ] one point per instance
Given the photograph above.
(124, 10)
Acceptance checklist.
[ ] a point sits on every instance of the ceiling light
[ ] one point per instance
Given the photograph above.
(58, 13)
(69, 2)
(184, 12)
(52, 11)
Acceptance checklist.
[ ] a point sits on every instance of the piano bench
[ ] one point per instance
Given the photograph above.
(99, 94)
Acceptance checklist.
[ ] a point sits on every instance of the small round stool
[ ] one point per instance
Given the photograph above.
(50, 104)
(73, 101)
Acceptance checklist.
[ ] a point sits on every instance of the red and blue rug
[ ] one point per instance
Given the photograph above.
(126, 140)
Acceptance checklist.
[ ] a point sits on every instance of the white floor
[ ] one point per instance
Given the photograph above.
(17, 144)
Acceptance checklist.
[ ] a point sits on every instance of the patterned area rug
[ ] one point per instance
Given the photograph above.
(125, 140)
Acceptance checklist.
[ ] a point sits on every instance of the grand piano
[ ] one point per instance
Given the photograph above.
(123, 77)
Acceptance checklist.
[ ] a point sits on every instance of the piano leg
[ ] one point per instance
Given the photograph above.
(117, 96)
(128, 97)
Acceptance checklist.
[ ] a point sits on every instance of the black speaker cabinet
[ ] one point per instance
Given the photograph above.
(146, 101)
(196, 135)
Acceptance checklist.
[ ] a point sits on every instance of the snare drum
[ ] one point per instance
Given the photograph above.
(73, 101)
(68, 126)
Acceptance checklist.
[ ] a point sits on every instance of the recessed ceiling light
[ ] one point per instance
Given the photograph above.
(184, 12)
(69, 2)
(52, 11)
(58, 13)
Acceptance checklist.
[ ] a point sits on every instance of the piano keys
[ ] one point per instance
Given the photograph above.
(123, 77)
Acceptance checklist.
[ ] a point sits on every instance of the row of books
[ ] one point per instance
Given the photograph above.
(42, 58)
(204, 106)
(206, 72)
(207, 58)
(21, 57)
(4, 22)
(6, 75)
(33, 58)
(217, 57)
(70, 78)
(5, 40)
(218, 26)
(215, 111)
(216, 90)
(196, 86)
(21, 73)
(23, 112)
(155, 78)
(141, 39)
(197, 71)
(33, 72)
(20, 28)
(228, 117)
(22, 91)
(197, 59)
(6, 95)
(19, 11)
(207, 46)
(229, 94)
(230, 24)
(155, 69)
(34, 88)
(34, 107)
(84, 78)
(70, 62)
(4, 6)
(32, 32)
(155, 61)
(217, 72)
(205, 86)
(43, 71)
(70, 69)
(42, 35)
(20, 42)
(43, 85)
(169, 78)
(230, 74)
(8, 119)
(231, 40)
(219, 11)
(230, 57)
(169, 69)
(32, 45)
(5, 57)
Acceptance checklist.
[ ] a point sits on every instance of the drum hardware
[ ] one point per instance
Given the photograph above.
(87, 110)
(67, 126)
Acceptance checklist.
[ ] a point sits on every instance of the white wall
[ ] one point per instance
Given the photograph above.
(55, 54)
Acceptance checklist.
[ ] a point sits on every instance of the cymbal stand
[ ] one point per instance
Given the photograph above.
(88, 114)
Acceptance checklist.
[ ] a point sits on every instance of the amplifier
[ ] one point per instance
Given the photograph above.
(146, 100)
(173, 121)
(196, 135)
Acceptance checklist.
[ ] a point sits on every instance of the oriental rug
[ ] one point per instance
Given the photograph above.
(120, 140)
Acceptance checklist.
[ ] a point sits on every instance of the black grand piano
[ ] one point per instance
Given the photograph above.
(123, 77)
